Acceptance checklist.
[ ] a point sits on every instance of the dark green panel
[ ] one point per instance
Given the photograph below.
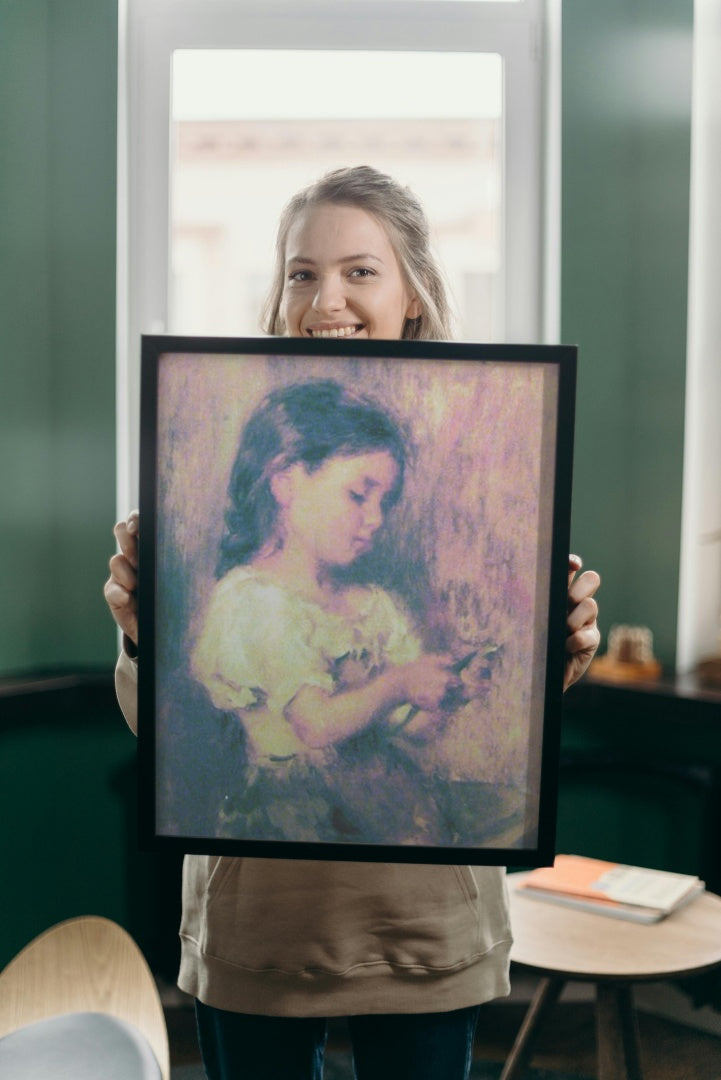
(58, 75)
(626, 146)
(628, 817)
(641, 780)
(69, 801)
(83, 128)
(26, 484)
(67, 793)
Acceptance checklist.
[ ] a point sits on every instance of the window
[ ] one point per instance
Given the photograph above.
(235, 161)
(227, 107)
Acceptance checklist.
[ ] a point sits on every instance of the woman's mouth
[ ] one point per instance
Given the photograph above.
(335, 331)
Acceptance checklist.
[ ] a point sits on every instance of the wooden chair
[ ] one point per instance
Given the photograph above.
(90, 972)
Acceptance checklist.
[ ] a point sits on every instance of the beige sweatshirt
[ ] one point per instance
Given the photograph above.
(285, 937)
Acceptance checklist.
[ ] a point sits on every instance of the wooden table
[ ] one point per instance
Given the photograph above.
(563, 944)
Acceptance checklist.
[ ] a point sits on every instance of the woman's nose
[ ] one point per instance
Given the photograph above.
(329, 295)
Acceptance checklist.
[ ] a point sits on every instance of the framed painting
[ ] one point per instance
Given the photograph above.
(352, 597)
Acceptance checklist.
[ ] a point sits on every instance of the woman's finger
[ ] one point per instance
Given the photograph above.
(126, 534)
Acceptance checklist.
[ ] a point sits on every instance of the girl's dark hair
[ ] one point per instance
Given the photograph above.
(309, 423)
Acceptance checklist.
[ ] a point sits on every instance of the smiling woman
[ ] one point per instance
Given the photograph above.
(353, 258)
(335, 294)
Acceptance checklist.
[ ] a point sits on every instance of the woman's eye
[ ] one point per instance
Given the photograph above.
(300, 276)
(357, 497)
(362, 272)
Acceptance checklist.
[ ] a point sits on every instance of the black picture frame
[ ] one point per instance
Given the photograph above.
(471, 562)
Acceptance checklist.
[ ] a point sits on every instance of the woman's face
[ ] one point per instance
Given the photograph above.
(334, 512)
(342, 277)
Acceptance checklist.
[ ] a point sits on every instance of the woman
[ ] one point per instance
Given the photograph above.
(271, 948)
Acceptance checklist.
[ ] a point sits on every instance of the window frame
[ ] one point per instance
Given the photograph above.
(526, 34)
(698, 632)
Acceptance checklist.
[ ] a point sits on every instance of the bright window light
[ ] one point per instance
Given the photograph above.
(222, 84)
(239, 155)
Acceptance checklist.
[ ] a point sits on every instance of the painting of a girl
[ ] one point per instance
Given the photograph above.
(327, 678)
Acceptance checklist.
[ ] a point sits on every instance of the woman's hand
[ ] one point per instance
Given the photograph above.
(583, 635)
(121, 587)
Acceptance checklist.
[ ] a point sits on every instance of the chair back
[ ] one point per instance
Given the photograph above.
(87, 964)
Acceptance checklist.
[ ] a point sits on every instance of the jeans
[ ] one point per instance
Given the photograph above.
(416, 1046)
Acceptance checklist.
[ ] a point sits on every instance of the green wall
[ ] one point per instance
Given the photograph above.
(58, 72)
(626, 146)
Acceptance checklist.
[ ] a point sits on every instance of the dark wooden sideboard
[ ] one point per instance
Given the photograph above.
(640, 774)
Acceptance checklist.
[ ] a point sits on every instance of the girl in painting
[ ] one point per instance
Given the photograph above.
(327, 679)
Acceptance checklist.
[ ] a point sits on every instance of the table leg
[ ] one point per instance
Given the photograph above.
(545, 997)
(617, 1033)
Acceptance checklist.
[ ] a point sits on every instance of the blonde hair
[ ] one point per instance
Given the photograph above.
(403, 217)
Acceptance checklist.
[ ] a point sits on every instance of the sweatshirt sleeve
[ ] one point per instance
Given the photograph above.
(126, 688)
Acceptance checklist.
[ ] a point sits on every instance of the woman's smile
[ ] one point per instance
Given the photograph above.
(335, 331)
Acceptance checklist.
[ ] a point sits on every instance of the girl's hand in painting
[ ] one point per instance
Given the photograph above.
(427, 681)
(320, 718)
(583, 635)
(352, 671)
(121, 587)
(476, 671)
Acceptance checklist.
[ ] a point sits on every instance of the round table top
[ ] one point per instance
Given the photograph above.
(559, 940)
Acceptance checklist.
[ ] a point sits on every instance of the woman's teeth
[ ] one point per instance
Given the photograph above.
(337, 331)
